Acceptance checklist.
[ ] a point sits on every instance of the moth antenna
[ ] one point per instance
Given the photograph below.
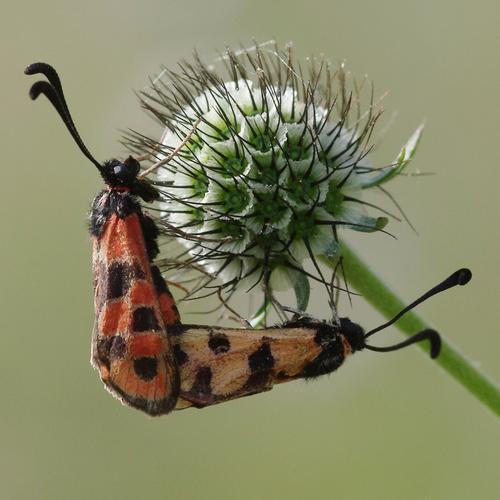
(50, 73)
(431, 335)
(54, 93)
(460, 277)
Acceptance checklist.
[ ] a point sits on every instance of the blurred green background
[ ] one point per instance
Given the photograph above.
(385, 426)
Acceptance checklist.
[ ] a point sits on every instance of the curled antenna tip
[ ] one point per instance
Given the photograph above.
(429, 334)
(32, 69)
(434, 339)
(36, 89)
(463, 276)
(52, 89)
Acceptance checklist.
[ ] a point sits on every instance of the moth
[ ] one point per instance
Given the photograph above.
(145, 355)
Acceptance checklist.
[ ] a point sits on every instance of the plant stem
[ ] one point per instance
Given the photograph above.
(379, 295)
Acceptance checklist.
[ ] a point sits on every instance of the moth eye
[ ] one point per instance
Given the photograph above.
(120, 169)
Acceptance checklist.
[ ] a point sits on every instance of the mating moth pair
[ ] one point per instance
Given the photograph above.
(145, 355)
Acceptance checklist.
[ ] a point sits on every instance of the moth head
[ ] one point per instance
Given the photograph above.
(118, 173)
(354, 334)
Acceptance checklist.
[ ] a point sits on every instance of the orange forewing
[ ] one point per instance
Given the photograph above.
(168, 308)
(130, 347)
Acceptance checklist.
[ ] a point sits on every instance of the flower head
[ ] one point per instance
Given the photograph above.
(275, 166)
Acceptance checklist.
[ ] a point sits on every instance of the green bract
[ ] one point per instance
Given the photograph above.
(274, 169)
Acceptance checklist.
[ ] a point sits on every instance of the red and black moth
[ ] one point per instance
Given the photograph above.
(145, 355)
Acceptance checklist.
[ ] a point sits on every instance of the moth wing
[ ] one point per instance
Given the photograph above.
(168, 307)
(131, 348)
(215, 366)
(219, 364)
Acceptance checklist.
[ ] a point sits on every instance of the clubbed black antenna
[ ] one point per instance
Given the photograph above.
(54, 93)
(431, 335)
(460, 277)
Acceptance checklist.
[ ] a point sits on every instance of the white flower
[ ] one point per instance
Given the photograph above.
(273, 169)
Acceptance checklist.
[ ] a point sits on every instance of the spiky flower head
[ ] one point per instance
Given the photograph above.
(274, 169)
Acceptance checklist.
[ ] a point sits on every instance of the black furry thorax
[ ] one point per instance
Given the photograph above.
(108, 202)
(121, 202)
(328, 333)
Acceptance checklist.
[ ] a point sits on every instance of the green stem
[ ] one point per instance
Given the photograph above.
(370, 286)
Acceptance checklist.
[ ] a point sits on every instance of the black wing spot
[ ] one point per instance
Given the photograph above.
(261, 359)
(146, 368)
(119, 278)
(144, 320)
(203, 381)
(219, 343)
(180, 356)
